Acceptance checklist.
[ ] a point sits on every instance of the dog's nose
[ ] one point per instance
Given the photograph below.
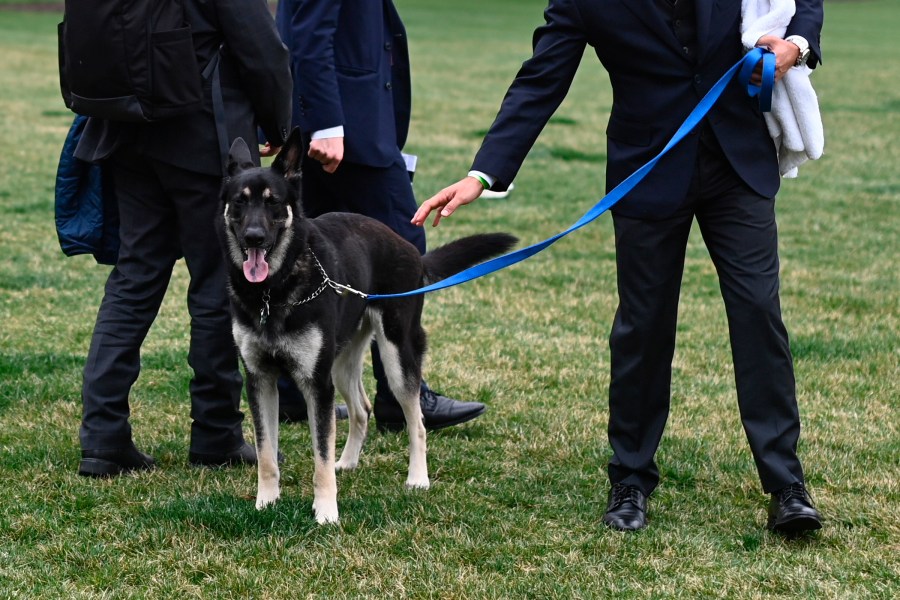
(254, 236)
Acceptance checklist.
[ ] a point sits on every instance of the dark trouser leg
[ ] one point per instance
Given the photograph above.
(216, 384)
(740, 231)
(649, 262)
(134, 291)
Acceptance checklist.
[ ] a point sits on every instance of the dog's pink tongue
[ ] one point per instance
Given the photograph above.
(256, 268)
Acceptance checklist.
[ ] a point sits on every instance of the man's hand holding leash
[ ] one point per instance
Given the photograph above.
(786, 55)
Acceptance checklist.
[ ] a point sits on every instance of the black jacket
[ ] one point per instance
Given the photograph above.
(655, 86)
(256, 88)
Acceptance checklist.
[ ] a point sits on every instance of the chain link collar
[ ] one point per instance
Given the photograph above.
(339, 288)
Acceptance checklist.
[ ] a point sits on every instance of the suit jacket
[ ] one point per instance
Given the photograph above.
(350, 61)
(655, 86)
(256, 88)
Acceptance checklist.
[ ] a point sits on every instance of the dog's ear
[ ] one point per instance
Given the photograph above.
(291, 156)
(239, 157)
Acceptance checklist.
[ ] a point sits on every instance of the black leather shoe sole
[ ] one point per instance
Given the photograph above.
(99, 468)
(393, 427)
(797, 525)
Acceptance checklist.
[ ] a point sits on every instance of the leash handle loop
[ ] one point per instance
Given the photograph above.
(744, 67)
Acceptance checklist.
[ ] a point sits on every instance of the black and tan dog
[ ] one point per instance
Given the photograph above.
(292, 313)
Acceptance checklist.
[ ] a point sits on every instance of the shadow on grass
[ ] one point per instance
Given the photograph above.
(235, 517)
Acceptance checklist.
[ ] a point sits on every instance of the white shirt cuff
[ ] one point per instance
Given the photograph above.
(331, 132)
(479, 175)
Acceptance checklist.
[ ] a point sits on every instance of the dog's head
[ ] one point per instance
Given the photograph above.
(259, 207)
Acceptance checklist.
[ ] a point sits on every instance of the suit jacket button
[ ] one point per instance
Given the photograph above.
(387, 45)
(697, 79)
(388, 85)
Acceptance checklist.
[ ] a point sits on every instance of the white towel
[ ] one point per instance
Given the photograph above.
(795, 122)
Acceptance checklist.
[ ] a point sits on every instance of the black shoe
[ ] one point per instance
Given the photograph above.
(791, 511)
(626, 509)
(245, 454)
(113, 462)
(295, 413)
(437, 411)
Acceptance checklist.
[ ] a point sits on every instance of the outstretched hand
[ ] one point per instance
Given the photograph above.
(448, 200)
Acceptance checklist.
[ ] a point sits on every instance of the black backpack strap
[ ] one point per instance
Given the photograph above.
(218, 101)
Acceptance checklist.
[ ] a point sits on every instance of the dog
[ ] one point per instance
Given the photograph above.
(294, 285)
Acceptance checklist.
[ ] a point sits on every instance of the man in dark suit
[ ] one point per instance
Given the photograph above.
(352, 101)
(662, 56)
(167, 177)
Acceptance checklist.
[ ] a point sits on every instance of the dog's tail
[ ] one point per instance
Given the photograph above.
(463, 253)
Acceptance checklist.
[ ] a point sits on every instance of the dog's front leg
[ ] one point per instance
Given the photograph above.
(262, 392)
(320, 407)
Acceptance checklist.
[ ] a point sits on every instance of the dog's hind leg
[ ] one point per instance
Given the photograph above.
(319, 394)
(403, 367)
(262, 392)
(347, 376)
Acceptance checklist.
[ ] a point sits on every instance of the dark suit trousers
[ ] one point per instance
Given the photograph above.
(739, 231)
(166, 212)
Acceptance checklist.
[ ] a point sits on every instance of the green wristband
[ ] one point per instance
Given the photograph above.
(483, 181)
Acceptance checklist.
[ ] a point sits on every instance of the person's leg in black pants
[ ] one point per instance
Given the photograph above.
(216, 385)
(134, 292)
(650, 264)
(740, 232)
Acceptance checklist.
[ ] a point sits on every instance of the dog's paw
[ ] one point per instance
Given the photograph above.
(326, 512)
(346, 464)
(266, 498)
(418, 483)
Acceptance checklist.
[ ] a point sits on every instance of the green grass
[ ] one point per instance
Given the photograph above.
(514, 511)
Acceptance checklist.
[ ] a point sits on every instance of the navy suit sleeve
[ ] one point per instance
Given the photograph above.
(537, 91)
(807, 22)
(312, 28)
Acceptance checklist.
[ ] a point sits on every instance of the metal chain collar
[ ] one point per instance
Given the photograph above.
(339, 288)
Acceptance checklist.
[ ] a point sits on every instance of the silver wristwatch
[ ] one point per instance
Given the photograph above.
(800, 42)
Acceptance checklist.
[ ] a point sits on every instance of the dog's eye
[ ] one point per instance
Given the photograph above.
(271, 199)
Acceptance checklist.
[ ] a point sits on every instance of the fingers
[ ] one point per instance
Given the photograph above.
(328, 151)
(448, 200)
(268, 150)
(329, 166)
(436, 202)
(786, 54)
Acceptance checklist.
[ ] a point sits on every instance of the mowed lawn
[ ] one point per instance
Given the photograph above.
(517, 496)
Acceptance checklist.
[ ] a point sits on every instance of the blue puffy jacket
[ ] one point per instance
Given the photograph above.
(87, 216)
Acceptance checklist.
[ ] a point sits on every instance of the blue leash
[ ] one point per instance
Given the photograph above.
(744, 68)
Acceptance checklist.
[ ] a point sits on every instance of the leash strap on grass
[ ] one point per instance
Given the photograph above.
(744, 69)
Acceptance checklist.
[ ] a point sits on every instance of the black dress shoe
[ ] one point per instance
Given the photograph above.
(791, 511)
(437, 412)
(113, 462)
(245, 454)
(626, 509)
(296, 412)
